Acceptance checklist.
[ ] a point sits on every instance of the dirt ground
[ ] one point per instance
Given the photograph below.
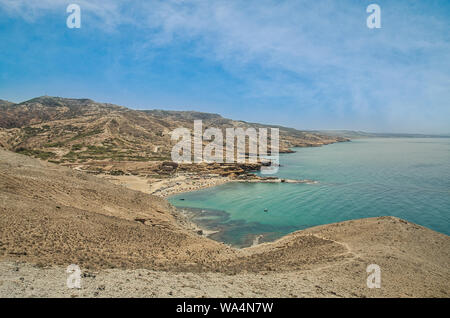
(131, 244)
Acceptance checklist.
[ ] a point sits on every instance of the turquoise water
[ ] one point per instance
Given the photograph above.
(405, 177)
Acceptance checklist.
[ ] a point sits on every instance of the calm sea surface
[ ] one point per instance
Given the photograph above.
(404, 177)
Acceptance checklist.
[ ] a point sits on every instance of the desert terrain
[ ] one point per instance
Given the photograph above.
(132, 244)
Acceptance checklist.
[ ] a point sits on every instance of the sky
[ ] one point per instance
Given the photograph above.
(302, 64)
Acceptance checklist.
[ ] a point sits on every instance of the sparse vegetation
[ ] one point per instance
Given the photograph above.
(77, 147)
(54, 145)
(117, 173)
(80, 130)
(70, 154)
(44, 155)
(86, 134)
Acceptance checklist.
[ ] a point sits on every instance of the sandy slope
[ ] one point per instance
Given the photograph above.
(133, 244)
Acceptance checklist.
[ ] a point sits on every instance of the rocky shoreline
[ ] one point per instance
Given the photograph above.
(194, 178)
(169, 178)
(187, 182)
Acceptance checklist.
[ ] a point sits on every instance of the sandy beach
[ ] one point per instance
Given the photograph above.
(164, 187)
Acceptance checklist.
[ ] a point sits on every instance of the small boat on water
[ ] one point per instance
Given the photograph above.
(266, 210)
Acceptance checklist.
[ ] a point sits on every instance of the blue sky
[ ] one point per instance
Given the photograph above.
(304, 64)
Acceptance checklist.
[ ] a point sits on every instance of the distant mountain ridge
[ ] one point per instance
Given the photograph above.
(67, 130)
(362, 134)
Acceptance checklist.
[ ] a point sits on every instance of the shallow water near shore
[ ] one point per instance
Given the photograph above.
(404, 177)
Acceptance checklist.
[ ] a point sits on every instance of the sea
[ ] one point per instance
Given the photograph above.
(404, 177)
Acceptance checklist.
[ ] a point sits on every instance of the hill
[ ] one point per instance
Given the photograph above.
(84, 132)
(53, 216)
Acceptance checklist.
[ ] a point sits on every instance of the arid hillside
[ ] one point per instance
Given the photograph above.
(84, 132)
(55, 216)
